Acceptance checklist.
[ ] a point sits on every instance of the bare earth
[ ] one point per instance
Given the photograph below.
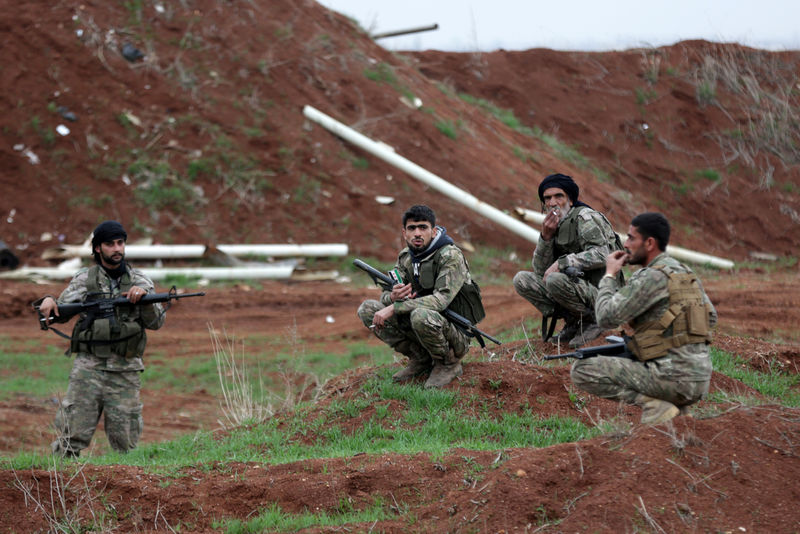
(217, 103)
(721, 473)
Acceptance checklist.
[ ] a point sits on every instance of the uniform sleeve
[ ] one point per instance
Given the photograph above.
(615, 307)
(76, 290)
(451, 277)
(153, 315)
(596, 240)
(543, 256)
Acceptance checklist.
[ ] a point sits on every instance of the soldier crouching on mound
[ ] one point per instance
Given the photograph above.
(672, 318)
(105, 377)
(574, 238)
(433, 276)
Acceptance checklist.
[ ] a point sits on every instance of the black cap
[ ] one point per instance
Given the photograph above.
(108, 231)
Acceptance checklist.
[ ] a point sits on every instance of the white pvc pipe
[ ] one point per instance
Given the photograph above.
(386, 154)
(208, 273)
(676, 252)
(154, 252)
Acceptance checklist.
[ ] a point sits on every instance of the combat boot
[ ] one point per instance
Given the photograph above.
(655, 411)
(567, 333)
(419, 362)
(444, 371)
(414, 368)
(587, 330)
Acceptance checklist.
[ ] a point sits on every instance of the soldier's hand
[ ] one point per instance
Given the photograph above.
(615, 261)
(550, 270)
(402, 292)
(135, 294)
(381, 316)
(47, 308)
(550, 224)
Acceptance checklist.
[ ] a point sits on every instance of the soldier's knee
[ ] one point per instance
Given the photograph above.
(423, 320)
(366, 311)
(555, 281)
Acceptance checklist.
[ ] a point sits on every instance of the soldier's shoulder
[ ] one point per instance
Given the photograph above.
(451, 251)
(81, 274)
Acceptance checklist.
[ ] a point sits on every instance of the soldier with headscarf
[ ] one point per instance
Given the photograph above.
(575, 239)
(105, 377)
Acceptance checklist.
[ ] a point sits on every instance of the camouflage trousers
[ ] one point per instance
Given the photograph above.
(623, 379)
(419, 334)
(577, 298)
(93, 392)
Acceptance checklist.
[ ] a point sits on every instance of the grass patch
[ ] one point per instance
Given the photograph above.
(777, 385)
(274, 519)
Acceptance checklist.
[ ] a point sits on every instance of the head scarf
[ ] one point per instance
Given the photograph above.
(108, 231)
(563, 182)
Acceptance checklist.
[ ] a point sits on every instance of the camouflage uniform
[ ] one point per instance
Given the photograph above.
(583, 240)
(681, 377)
(107, 384)
(417, 329)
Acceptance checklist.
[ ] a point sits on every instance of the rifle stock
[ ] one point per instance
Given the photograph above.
(464, 324)
(616, 347)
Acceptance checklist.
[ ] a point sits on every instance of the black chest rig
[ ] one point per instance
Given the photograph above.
(467, 301)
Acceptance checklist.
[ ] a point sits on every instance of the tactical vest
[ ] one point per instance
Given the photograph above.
(685, 320)
(122, 334)
(567, 242)
(467, 301)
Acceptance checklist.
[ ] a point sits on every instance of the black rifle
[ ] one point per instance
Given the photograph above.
(461, 322)
(103, 308)
(617, 347)
(549, 321)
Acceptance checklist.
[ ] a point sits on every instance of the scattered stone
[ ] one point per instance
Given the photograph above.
(67, 114)
(131, 53)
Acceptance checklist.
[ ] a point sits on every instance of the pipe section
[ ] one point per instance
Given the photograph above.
(389, 156)
(163, 252)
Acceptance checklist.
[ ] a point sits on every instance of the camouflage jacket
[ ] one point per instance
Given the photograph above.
(453, 273)
(644, 298)
(583, 240)
(151, 316)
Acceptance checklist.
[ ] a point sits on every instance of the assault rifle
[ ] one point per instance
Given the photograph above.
(103, 308)
(616, 347)
(461, 322)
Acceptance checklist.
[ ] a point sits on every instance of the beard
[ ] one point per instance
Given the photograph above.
(115, 259)
(635, 258)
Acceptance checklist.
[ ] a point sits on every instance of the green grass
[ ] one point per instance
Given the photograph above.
(779, 386)
(273, 519)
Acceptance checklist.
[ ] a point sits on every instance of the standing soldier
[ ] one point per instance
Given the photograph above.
(671, 316)
(574, 239)
(105, 377)
(433, 276)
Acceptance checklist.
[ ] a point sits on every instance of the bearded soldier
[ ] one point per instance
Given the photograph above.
(672, 318)
(105, 377)
(568, 262)
(432, 276)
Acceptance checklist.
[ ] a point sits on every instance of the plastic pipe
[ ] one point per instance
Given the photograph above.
(154, 252)
(389, 156)
(209, 273)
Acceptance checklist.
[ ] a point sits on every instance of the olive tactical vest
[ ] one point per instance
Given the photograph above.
(467, 301)
(567, 242)
(685, 321)
(122, 334)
